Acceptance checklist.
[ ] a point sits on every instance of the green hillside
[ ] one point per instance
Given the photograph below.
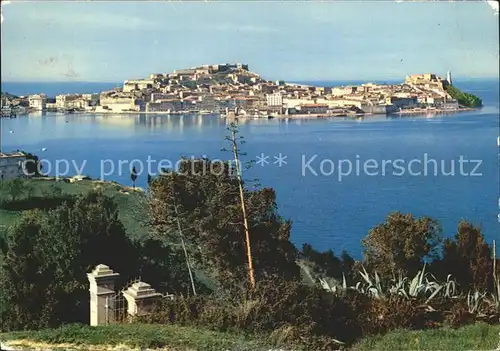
(464, 99)
(131, 203)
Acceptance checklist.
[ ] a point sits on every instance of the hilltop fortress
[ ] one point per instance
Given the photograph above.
(429, 81)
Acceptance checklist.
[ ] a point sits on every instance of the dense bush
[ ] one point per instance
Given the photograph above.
(377, 316)
(11, 189)
(468, 258)
(295, 313)
(162, 266)
(36, 202)
(401, 244)
(326, 262)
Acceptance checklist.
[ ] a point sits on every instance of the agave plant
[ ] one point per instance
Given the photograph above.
(474, 301)
(423, 285)
(417, 285)
(372, 287)
(333, 286)
(450, 290)
(493, 300)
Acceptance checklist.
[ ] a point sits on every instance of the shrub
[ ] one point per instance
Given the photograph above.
(468, 258)
(37, 202)
(458, 314)
(402, 243)
(326, 262)
(291, 311)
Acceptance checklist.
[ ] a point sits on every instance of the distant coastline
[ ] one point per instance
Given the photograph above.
(232, 90)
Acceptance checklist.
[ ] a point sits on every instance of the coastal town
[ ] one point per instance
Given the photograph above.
(232, 90)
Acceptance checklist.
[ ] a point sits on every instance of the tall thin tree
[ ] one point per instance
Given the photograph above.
(233, 139)
(181, 234)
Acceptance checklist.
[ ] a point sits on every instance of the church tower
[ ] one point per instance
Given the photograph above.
(448, 77)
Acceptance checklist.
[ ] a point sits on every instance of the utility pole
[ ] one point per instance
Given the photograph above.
(243, 208)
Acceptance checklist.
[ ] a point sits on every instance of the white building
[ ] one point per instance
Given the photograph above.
(342, 91)
(274, 99)
(139, 84)
(51, 106)
(292, 103)
(161, 96)
(93, 99)
(121, 103)
(66, 101)
(37, 102)
(12, 165)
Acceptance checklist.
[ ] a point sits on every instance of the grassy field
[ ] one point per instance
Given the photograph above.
(171, 337)
(472, 337)
(131, 336)
(131, 204)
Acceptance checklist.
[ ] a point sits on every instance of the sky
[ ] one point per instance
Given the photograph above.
(99, 41)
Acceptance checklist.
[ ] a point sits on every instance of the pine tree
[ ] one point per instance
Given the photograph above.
(133, 176)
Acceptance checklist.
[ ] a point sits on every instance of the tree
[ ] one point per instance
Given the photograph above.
(32, 167)
(46, 257)
(52, 191)
(401, 243)
(327, 262)
(163, 266)
(467, 258)
(29, 189)
(236, 153)
(183, 243)
(133, 176)
(15, 188)
(206, 195)
(150, 179)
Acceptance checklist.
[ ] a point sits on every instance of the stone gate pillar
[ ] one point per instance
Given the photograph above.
(140, 299)
(102, 292)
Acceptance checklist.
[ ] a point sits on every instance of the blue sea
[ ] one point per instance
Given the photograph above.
(338, 178)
